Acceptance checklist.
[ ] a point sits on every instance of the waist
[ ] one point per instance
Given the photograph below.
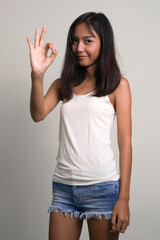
(84, 176)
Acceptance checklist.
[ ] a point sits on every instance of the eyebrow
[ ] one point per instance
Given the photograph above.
(85, 37)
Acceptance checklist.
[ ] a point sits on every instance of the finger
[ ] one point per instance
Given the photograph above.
(36, 43)
(113, 221)
(123, 227)
(53, 49)
(29, 43)
(119, 224)
(54, 53)
(47, 46)
(41, 42)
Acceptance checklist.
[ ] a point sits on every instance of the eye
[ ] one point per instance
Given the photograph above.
(74, 40)
(88, 41)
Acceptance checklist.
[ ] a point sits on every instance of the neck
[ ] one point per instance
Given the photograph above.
(90, 73)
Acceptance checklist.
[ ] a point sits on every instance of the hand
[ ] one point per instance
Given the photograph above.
(120, 216)
(38, 54)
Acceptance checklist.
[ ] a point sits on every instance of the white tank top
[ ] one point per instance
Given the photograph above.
(84, 154)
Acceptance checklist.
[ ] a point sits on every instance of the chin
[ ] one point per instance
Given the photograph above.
(86, 65)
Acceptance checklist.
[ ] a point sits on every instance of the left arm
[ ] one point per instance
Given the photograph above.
(124, 131)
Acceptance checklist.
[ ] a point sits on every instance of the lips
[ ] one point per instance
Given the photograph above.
(81, 57)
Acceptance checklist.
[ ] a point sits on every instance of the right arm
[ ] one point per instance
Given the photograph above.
(41, 106)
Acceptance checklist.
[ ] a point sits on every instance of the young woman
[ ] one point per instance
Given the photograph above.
(86, 183)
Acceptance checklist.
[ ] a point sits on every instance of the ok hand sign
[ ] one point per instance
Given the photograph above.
(38, 54)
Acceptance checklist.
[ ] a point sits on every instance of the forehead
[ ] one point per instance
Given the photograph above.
(82, 30)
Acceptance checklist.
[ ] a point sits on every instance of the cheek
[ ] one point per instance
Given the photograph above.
(73, 48)
(96, 52)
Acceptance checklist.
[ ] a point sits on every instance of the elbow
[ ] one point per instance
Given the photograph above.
(37, 118)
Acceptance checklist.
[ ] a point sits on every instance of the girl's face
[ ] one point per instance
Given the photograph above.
(85, 45)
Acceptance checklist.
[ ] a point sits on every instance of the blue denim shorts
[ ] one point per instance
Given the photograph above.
(86, 201)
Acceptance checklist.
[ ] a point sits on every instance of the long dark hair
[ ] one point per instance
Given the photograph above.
(107, 74)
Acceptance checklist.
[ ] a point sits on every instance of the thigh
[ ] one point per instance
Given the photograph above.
(100, 229)
(64, 227)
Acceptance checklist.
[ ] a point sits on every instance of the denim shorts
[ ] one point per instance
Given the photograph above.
(85, 201)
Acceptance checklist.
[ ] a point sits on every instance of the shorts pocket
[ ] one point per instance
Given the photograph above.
(104, 190)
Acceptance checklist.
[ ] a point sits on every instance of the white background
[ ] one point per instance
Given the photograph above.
(28, 149)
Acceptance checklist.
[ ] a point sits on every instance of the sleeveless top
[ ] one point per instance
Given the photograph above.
(85, 155)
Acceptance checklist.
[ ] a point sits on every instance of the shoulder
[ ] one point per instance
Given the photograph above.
(122, 89)
(55, 87)
(123, 86)
(57, 84)
(122, 94)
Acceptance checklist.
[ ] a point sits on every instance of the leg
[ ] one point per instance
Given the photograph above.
(100, 229)
(62, 227)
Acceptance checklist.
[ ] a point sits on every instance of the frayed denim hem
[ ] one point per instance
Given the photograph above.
(76, 214)
(98, 215)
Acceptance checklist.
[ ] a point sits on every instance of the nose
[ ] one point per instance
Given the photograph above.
(80, 47)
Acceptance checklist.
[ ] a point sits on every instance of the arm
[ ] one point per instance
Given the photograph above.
(124, 131)
(40, 106)
(37, 99)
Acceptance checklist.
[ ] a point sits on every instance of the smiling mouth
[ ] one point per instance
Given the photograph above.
(81, 57)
